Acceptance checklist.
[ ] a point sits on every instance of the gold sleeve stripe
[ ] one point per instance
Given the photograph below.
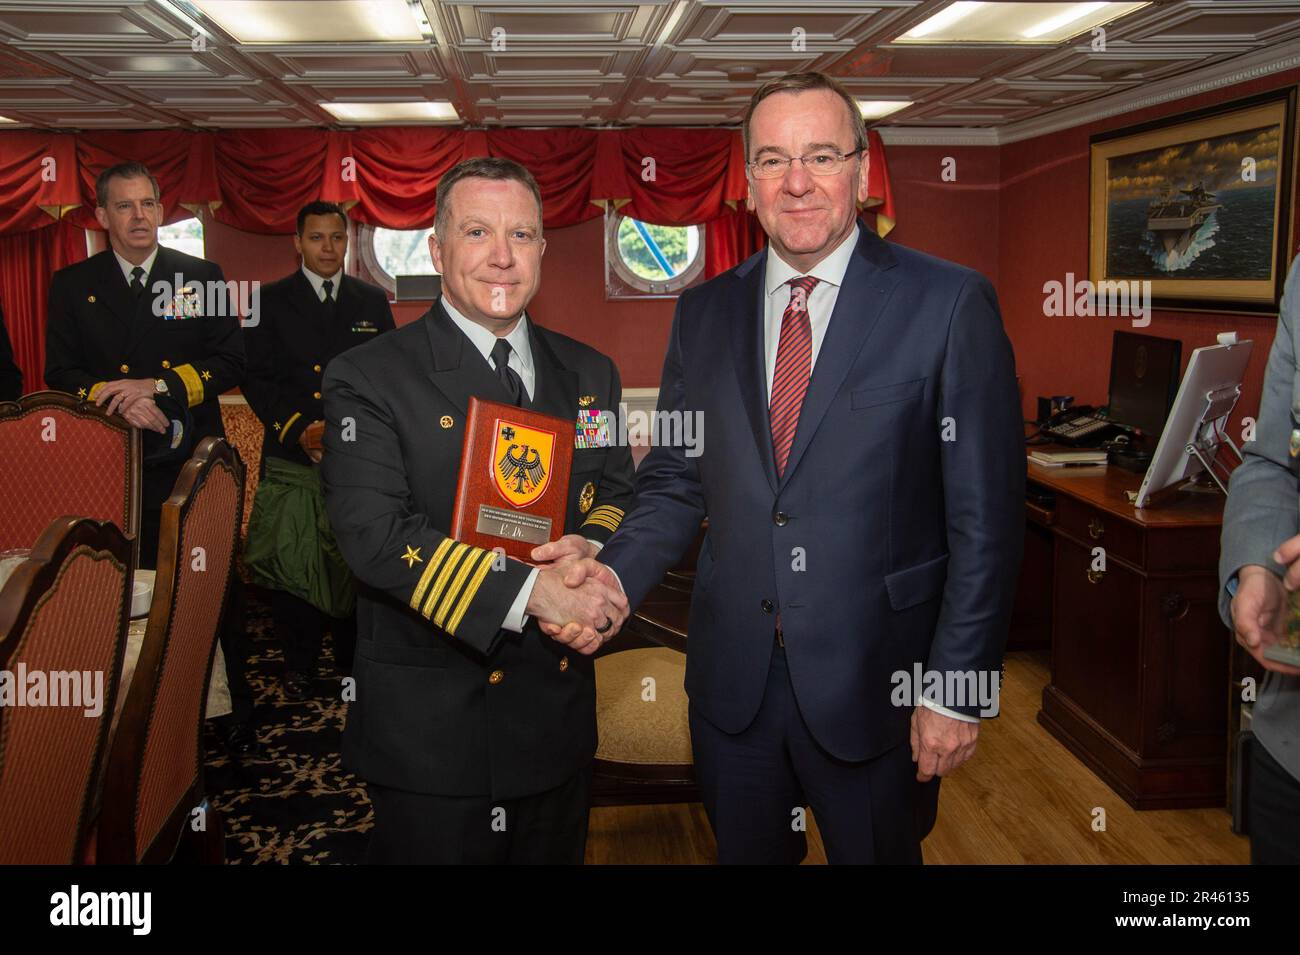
(444, 575)
(193, 384)
(94, 389)
(468, 596)
(601, 522)
(608, 511)
(285, 430)
(459, 581)
(430, 569)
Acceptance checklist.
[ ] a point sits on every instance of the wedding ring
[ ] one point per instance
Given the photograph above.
(605, 629)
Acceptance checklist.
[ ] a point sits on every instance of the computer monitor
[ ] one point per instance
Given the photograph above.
(1143, 382)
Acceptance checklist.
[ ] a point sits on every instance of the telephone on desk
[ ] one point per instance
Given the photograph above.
(1081, 426)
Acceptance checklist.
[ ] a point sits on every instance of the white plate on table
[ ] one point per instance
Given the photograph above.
(142, 593)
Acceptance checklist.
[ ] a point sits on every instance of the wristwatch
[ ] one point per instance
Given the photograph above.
(159, 386)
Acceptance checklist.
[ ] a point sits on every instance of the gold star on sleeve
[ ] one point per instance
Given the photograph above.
(412, 556)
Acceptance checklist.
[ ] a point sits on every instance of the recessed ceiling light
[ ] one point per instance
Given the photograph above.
(880, 108)
(436, 111)
(316, 21)
(1014, 21)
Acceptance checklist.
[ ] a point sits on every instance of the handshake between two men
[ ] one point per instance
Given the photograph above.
(576, 600)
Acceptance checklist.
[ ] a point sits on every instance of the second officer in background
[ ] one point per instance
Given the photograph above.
(307, 318)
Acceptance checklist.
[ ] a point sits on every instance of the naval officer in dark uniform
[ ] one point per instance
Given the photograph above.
(307, 318)
(140, 325)
(473, 728)
(154, 335)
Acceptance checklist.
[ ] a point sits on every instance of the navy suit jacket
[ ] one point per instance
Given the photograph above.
(894, 536)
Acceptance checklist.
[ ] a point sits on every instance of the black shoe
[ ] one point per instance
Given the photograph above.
(240, 741)
(296, 685)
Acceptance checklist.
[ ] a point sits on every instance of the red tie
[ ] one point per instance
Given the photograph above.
(793, 369)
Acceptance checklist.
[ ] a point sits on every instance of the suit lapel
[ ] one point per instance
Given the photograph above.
(347, 311)
(747, 356)
(458, 369)
(866, 289)
(142, 319)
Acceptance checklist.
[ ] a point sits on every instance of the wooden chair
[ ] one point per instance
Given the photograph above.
(64, 609)
(644, 750)
(65, 456)
(154, 779)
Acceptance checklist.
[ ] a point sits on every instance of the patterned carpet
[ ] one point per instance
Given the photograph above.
(295, 805)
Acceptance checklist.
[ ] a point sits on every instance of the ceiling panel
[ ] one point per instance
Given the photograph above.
(568, 62)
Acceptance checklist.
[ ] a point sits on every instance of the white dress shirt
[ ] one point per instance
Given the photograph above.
(821, 303)
(318, 283)
(821, 300)
(129, 267)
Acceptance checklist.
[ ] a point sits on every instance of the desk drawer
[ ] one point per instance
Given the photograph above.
(1097, 528)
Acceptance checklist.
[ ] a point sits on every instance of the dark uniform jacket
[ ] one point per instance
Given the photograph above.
(98, 331)
(289, 347)
(447, 702)
(11, 377)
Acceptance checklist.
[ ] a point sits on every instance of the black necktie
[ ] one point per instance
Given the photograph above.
(514, 384)
(137, 281)
(328, 302)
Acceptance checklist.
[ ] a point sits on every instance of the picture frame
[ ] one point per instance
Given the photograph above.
(1201, 205)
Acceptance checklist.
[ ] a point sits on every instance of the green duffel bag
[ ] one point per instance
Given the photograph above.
(291, 546)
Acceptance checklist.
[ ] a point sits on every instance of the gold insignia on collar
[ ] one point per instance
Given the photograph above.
(446, 421)
(586, 401)
(587, 497)
(90, 299)
(412, 556)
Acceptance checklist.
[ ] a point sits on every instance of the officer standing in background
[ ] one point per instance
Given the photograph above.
(307, 318)
(153, 335)
(127, 333)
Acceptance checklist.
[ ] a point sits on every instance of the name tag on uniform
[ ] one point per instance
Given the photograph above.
(592, 430)
(365, 325)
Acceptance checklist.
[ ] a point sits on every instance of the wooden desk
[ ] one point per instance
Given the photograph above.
(1139, 654)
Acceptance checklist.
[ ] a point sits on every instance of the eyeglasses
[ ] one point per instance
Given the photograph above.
(824, 162)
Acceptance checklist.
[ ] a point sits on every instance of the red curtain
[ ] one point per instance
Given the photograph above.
(257, 179)
(730, 239)
(38, 179)
(27, 262)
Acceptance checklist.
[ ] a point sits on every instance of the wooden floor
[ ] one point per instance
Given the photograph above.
(1023, 799)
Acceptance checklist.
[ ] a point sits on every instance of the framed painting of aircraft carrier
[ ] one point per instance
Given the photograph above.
(1200, 206)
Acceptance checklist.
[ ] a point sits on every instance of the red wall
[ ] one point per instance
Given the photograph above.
(1018, 213)
(1044, 234)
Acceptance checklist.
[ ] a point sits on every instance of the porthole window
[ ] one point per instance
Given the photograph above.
(649, 261)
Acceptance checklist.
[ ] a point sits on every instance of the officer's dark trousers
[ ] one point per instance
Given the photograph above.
(756, 783)
(299, 627)
(549, 828)
(1273, 811)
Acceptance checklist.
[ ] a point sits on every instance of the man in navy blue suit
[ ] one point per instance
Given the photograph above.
(863, 477)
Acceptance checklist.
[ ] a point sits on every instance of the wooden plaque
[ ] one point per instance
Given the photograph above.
(513, 490)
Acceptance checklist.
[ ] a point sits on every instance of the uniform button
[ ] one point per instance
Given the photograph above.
(166, 363)
(781, 518)
(496, 677)
(316, 395)
(564, 664)
(315, 368)
(767, 606)
(124, 369)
